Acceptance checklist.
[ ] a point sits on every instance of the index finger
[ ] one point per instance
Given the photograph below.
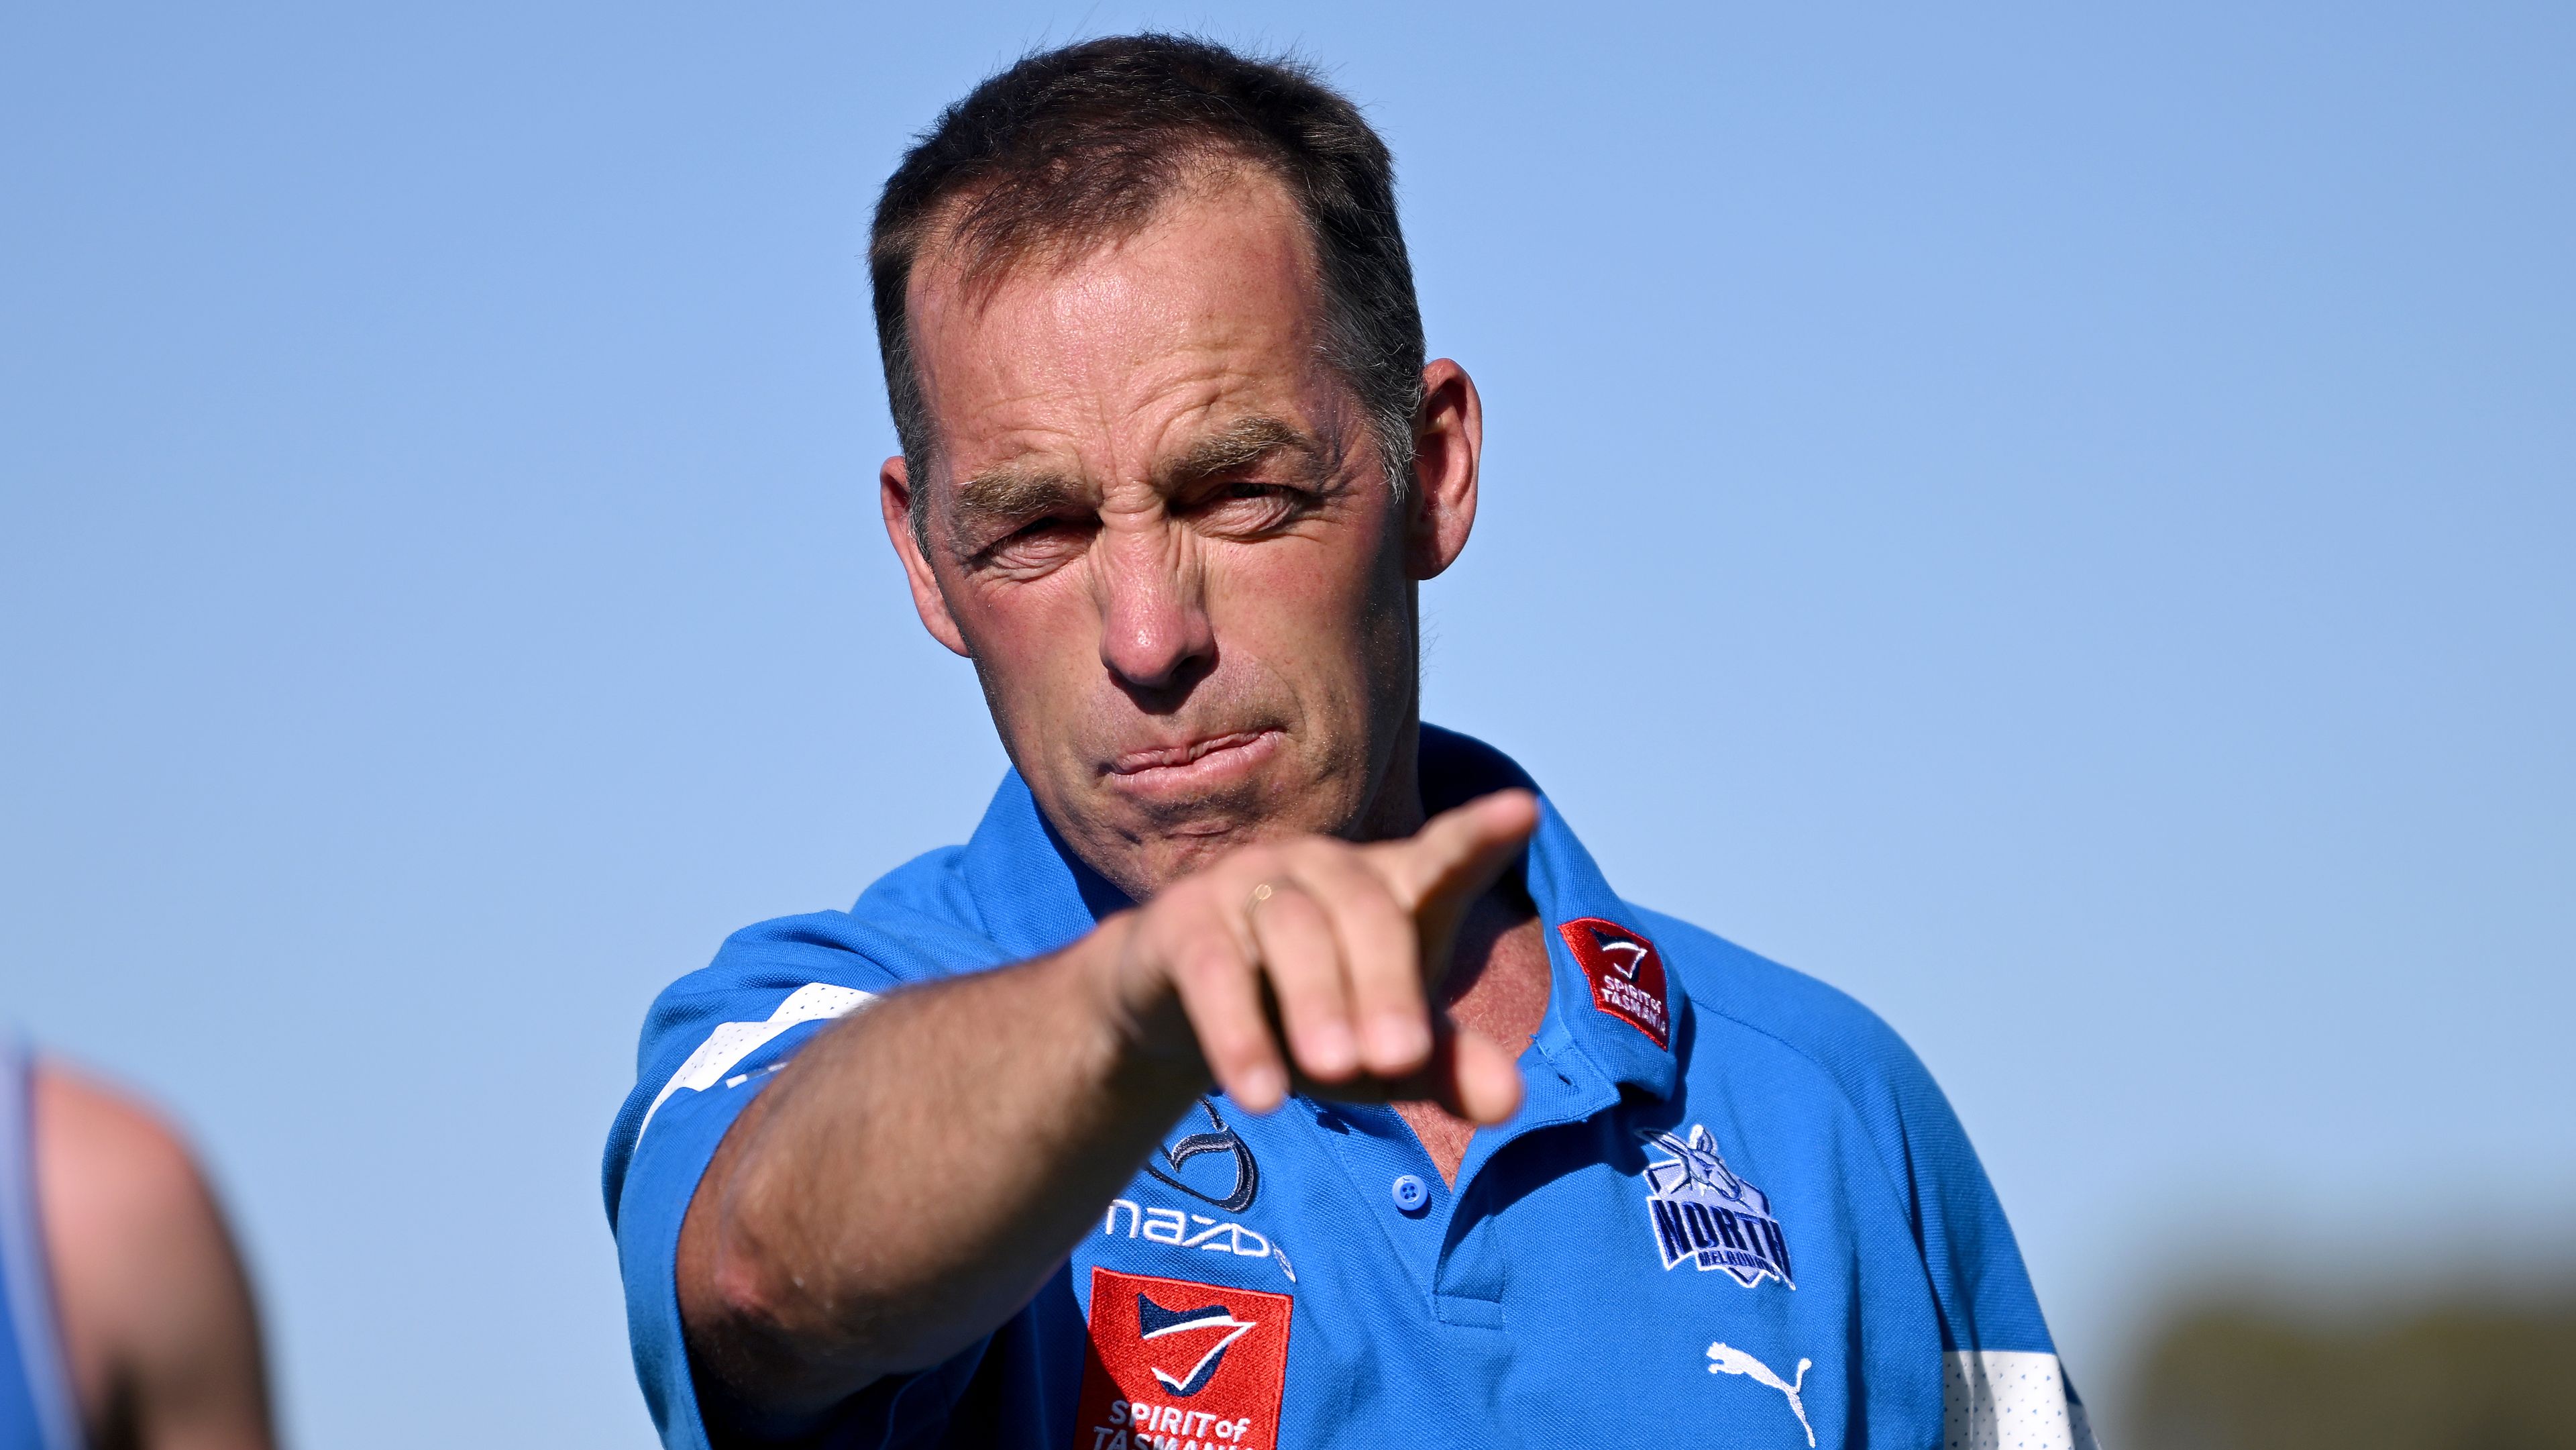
(1450, 862)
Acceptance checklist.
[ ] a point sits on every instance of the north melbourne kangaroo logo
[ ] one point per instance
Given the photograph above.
(1702, 1211)
(1727, 1359)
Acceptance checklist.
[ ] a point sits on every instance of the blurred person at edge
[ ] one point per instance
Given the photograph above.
(1270, 1068)
(126, 1321)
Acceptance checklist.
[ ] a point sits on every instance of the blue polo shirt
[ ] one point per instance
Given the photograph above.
(1732, 1205)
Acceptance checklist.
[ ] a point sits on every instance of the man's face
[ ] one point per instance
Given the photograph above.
(1161, 527)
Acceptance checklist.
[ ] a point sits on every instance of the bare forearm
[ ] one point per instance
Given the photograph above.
(914, 1176)
(916, 1173)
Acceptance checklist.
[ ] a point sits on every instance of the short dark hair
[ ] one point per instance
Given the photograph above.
(1078, 146)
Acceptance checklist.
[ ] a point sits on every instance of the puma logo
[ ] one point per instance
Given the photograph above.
(1726, 1359)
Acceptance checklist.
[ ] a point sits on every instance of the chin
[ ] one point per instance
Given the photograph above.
(1144, 847)
(1177, 837)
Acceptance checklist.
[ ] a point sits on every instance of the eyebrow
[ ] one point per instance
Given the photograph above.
(1012, 491)
(1239, 444)
(1016, 491)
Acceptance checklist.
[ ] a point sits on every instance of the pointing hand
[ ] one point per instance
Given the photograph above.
(1349, 943)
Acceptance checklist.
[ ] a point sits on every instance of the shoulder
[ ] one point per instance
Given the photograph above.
(142, 1265)
(916, 923)
(1850, 1051)
(155, 1312)
(1748, 992)
(1974, 1265)
(773, 984)
(109, 1167)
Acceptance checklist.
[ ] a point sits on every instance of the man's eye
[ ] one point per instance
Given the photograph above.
(1254, 506)
(1037, 542)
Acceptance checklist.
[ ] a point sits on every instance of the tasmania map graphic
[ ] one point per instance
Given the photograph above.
(1179, 1365)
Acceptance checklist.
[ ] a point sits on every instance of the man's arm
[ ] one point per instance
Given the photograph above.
(157, 1322)
(916, 1172)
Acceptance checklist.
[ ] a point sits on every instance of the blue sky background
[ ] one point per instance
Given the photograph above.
(2058, 524)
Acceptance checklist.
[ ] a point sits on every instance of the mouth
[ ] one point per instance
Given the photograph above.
(1196, 765)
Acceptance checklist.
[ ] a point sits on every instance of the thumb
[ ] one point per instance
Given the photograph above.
(1451, 861)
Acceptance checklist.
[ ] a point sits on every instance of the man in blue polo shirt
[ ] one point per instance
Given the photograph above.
(1269, 1069)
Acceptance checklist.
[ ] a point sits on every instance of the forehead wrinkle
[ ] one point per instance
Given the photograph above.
(1117, 375)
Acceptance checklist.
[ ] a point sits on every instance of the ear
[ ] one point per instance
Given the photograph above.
(894, 495)
(1448, 443)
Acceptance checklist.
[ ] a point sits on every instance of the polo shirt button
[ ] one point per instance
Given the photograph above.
(1409, 1193)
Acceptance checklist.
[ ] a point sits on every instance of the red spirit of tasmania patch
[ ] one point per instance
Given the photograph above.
(1627, 976)
(1181, 1366)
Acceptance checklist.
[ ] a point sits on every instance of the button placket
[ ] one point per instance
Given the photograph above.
(1376, 1150)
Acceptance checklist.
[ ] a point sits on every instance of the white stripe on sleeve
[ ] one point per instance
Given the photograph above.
(2001, 1399)
(731, 1042)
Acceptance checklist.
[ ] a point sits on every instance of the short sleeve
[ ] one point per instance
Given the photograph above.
(710, 1043)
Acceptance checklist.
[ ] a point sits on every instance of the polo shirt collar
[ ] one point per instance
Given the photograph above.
(1032, 895)
(1030, 892)
(1570, 893)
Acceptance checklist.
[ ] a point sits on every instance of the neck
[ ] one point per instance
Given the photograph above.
(1396, 811)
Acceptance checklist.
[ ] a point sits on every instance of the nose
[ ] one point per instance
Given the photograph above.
(1154, 634)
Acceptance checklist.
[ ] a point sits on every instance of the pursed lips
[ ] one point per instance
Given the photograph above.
(1193, 758)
